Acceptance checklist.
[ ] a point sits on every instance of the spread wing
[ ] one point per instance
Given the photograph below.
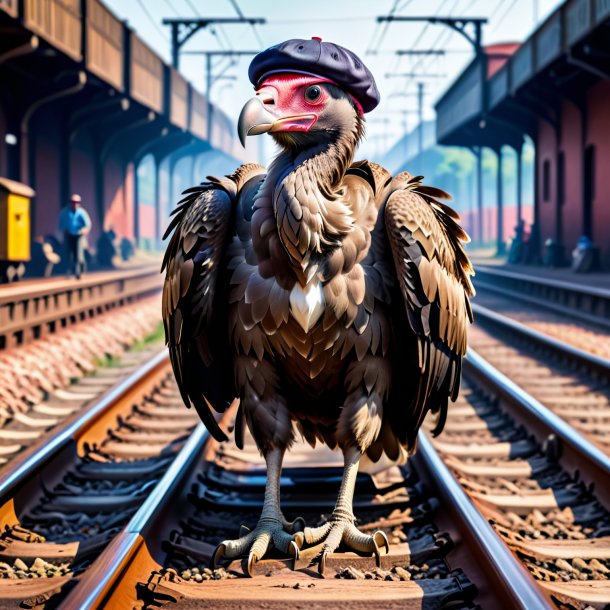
(433, 273)
(195, 298)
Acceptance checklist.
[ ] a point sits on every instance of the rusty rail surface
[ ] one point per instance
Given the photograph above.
(27, 465)
(31, 309)
(65, 499)
(587, 303)
(564, 350)
(541, 484)
(134, 566)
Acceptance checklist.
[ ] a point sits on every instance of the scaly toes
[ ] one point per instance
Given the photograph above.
(268, 533)
(312, 535)
(346, 533)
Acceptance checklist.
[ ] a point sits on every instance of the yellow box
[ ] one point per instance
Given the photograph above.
(14, 220)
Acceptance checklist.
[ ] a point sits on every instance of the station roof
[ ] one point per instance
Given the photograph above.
(489, 104)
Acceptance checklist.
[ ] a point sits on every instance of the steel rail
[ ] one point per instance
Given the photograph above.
(31, 462)
(575, 354)
(563, 310)
(591, 461)
(517, 587)
(587, 303)
(568, 287)
(101, 578)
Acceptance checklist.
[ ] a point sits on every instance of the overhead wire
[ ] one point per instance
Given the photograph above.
(443, 37)
(193, 7)
(152, 20)
(172, 8)
(240, 14)
(504, 15)
(384, 29)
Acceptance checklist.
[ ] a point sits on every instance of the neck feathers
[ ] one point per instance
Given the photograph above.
(311, 215)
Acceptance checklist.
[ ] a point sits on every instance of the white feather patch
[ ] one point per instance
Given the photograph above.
(307, 304)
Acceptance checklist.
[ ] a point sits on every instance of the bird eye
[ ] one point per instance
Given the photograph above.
(313, 93)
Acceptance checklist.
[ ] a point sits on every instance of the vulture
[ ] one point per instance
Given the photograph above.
(329, 297)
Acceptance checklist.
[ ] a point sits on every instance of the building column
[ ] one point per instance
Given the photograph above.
(479, 156)
(534, 246)
(501, 248)
(157, 201)
(519, 153)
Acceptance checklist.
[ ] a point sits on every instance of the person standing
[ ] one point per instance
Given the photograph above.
(75, 223)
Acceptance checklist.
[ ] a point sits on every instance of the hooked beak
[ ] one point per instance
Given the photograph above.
(255, 119)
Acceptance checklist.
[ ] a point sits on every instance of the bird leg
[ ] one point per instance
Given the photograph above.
(340, 527)
(272, 530)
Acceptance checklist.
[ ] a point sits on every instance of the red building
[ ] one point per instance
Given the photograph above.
(555, 88)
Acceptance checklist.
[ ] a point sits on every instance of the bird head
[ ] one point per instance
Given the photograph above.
(301, 110)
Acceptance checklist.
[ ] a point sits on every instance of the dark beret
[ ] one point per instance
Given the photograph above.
(320, 59)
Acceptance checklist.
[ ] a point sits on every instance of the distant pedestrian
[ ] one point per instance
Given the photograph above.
(75, 223)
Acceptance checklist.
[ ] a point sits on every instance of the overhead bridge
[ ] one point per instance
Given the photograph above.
(84, 100)
(553, 88)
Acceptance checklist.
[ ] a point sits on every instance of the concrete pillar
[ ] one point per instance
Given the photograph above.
(479, 156)
(519, 153)
(501, 249)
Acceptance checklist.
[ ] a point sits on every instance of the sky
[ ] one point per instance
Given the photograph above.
(350, 23)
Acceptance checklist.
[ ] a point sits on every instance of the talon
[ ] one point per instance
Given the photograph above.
(380, 538)
(294, 550)
(252, 561)
(299, 539)
(218, 554)
(322, 564)
(244, 530)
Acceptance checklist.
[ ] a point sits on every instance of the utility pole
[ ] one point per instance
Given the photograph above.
(459, 24)
(210, 78)
(420, 110)
(475, 38)
(182, 29)
(405, 126)
(209, 57)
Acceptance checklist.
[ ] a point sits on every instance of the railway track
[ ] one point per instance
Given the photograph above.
(64, 500)
(544, 492)
(34, 308)
(573, 383)
(45, 385)
(586, 336)
(443, 554)
(572, 300)
(509, 508)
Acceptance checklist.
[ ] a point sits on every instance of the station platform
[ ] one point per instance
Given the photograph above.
(488, 259)
(31, 308)
(42, 285)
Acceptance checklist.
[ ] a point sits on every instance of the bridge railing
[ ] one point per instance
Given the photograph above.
(86, 30)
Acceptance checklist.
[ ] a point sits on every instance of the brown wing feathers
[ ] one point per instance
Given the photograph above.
(434, 278)
(193, 325)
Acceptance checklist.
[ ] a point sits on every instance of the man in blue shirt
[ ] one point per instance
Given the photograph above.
(75, 223)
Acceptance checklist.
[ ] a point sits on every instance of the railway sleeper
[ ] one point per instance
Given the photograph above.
(550, 519)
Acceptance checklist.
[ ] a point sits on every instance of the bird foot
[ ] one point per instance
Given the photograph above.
(339, 530)
(270, 532)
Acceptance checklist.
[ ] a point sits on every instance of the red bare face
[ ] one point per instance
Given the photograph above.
(292, 102)
(296, 99)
